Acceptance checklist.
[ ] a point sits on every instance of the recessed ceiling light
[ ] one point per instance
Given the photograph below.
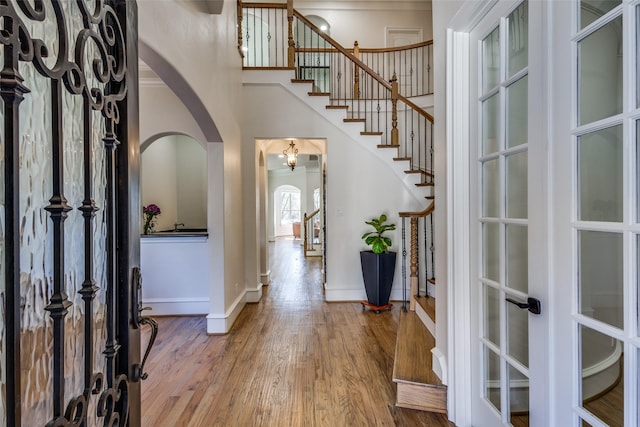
(323, 27)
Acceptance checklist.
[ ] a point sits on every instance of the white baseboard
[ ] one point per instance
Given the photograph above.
(220, 323)
(265, 278)
(439, 365)
(336, 295)
(177, 306)
(254, 295)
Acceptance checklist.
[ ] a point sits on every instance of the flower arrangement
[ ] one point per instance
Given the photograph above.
(150, 213)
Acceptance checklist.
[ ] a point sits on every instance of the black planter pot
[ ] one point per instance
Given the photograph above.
(377, 272)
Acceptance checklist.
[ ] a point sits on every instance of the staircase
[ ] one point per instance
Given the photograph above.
(369, 108)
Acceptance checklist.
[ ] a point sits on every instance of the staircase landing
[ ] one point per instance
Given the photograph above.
(418, 387)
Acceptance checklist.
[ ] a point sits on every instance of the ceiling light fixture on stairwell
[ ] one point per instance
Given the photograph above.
(292, 155)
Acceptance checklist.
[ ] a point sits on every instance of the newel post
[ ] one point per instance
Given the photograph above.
(413, 264)
(356, 72)
(394, 110)
(239, 11)
(291, 53)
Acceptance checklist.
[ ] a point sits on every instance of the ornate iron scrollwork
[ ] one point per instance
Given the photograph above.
(91, 64)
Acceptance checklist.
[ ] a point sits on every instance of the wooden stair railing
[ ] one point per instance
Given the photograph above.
(415, 254)
(338, 73)
(310, 231)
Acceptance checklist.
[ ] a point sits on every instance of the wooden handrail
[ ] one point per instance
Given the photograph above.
(395, 49)
(314, 213)
(428, 211)
(342, 50)
(416, 108)
(247, 5)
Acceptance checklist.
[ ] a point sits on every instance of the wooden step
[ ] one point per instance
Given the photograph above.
(425, 184)
(401, 159)
(318, 93)
(371, 133)
(418, 387)
(387, 146)
(302, 81)
(409, 172)
(354, 120)
(428, 304)
(337, 107)
(430, 197)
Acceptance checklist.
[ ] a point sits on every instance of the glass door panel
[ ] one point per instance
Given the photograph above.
(605, 227)
(600, 175)
(600, 279)
(600, 73)
(503, 229)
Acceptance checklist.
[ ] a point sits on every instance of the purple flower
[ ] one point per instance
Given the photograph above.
(151, 209)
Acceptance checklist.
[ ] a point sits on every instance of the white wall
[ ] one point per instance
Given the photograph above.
(159, 180)
(198, 52)
(350, 21)
(162, 112)
(191, 161)
(174, 177)
(360, 185)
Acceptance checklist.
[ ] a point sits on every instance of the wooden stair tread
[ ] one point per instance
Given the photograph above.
(428, 304)
(425, 184)
(337, 107)
(430, 197)
(318, 93)
(387, 146)
(412, 171)
(371, 133)
(354, 120)
(302, 81)
(401, 159)
(413, 363)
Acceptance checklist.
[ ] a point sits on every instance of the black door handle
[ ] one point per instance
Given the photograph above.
(532, 304)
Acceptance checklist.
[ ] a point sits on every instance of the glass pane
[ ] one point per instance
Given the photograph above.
(490, 189)
(491, 251)
(516, 184)
(518, 333)
(492, 384)
(600, 73)
(602, 372)
(518, 39)
(518, 398)
(490, 124)
(591, 10)
(492, 314)
(601, 276)
(491, 60)
(517, 113)
(600, 170)
(517, 258)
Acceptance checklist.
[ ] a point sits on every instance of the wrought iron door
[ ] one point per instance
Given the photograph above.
(69, 223)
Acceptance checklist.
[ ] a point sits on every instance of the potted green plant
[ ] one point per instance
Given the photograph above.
(378, 264)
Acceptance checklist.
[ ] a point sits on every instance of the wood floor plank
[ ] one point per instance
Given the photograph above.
(290, 360)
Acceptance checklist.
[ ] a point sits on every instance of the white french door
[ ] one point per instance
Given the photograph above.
(595, 163)
(503, 261)
(553, 155)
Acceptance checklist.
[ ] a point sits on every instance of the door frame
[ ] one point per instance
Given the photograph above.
(461, 207)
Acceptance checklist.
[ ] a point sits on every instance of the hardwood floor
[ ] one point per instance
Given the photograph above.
(290, 360)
